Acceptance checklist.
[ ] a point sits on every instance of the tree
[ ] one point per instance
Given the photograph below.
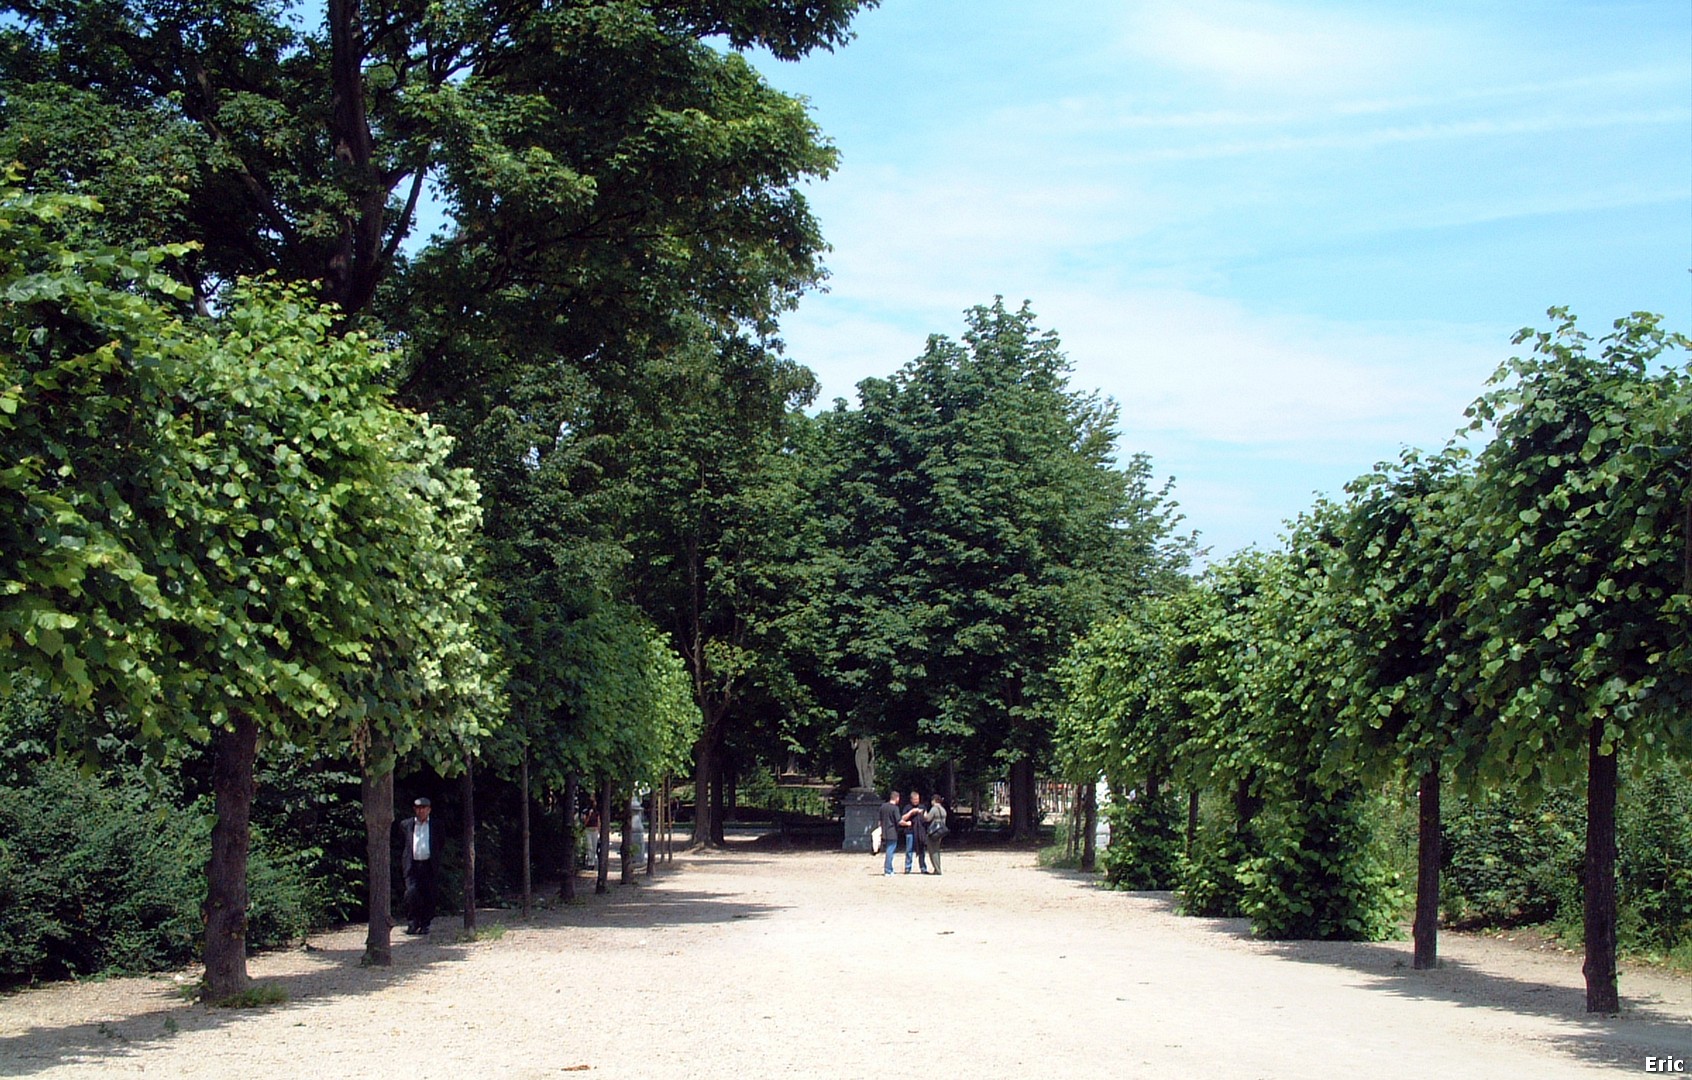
(988, 526)
(1402, 572)
(715, 529)
(219, 529)
(305, 153)
(1581, 592)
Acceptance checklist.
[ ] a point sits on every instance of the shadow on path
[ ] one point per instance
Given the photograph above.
(1646, 1027)
(135, 1021)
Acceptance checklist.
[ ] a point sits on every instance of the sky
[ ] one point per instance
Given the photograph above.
(1288, 239)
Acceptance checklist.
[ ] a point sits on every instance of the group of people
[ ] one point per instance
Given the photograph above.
(920, 830)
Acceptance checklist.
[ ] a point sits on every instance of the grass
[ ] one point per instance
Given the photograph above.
(258, 996)
(491, 932)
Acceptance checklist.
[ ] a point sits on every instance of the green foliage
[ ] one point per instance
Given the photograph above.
(259, 996)
(1210, 883)
(1514, 862)
(981, 523)
(1509, 863)
(1654, 866)
(1321, 875)
(108, 876)
(1145, 842)
(236, 521)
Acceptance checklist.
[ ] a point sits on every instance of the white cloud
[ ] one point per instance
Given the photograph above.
(1275, 47)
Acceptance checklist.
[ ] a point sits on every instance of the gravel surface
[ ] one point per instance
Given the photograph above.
(751, 964)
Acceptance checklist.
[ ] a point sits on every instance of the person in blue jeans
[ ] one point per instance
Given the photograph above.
(888, 818)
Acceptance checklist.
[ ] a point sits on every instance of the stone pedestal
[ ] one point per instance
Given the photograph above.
(860, 808)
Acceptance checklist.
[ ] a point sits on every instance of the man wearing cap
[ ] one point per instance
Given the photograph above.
(420, 850)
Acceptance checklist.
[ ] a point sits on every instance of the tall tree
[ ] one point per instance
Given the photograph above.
(221, 529)
(1582, 505)
(989, 526)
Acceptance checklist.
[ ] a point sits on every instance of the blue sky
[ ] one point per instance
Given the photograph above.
(1287, 238)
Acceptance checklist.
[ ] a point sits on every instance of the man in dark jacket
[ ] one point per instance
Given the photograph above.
(420, 853)
(888, 819)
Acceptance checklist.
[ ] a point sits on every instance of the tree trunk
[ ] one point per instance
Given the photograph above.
(355, 264)
(718, 816)
(528, 882)
(225, 908)
(1600, 966)
(626, 866)
(378, 797)
(1426, 930)
(706, 831)
(654, 821)
(468, 786)
(1024, 800)
(572, 793)
(1192, 819)
(602, 865)
(1089, 826)
(669, 821)
(950, 784)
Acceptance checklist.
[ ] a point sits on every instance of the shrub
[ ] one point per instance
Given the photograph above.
(1145, 842)
(1321, 874)
(108, 876)
(1210, 885)
(1510, 863)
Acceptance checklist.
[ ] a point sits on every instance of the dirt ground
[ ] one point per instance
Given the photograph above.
(752, 964)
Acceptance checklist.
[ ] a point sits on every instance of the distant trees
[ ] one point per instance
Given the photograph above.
(978, 523)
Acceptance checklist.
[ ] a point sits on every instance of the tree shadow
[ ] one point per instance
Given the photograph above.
(1647, 1026)
(329, 970)
(162, 1013)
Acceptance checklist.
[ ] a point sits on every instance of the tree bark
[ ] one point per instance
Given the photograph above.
(468, 786)
(626, 868)
(603, 866)
(1600, 966)
(1192, 819)
(225, 909)
(1023, 799)
(718, 816)
(950, 784)
(1426, 932)
(355, 263)
(572, 792)
(1089, 826)
(706, 831)
(528, 881)
(378, 797)
(654, 820)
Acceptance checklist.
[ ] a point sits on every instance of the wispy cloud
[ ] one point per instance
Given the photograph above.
(1276, 48)
(1288, 237)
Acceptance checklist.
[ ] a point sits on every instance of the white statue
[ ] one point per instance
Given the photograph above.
(863, 753)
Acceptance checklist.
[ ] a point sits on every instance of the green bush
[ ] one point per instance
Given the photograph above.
(1145, 843)
(1513, 863)
(1321, 874)
(1508, 863)
(1210, 882)
(1654, 871)
(110, 877)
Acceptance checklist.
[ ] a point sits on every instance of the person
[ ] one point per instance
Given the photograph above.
(888, 818)
(916, 834)
(420, 853)
(934, 818)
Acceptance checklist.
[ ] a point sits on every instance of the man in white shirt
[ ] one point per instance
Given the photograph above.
(420, 849)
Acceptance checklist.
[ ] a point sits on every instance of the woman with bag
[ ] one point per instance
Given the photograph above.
(935, 818)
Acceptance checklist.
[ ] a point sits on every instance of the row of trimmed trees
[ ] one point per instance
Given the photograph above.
(278, 468)
(1512, 616)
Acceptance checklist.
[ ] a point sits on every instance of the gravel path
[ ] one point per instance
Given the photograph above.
(750, 964)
